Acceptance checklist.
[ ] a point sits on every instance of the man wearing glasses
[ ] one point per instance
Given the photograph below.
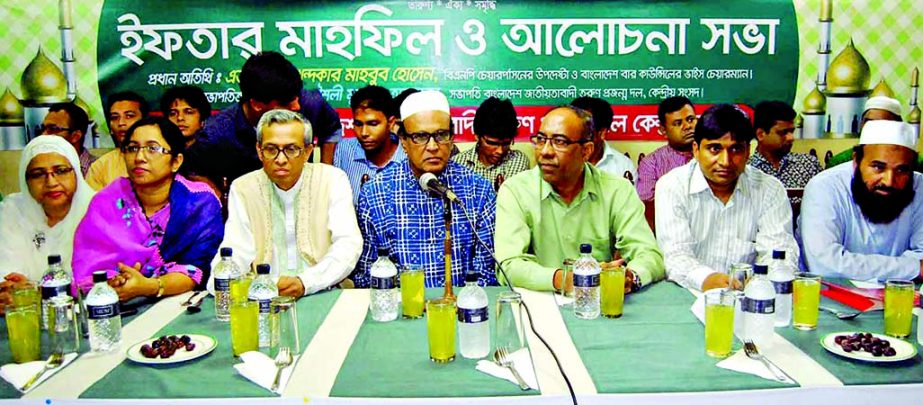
(294, 215)
(70, 122)
(546, 213)
(396, 213)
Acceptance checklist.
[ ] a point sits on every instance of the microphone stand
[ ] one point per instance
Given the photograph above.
(447, 247)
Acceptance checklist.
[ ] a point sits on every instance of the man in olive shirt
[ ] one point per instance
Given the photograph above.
(544, 214)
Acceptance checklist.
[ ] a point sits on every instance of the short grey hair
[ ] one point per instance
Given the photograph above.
(586, 120)
(282, 116)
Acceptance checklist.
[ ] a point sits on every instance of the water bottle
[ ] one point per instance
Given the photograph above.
(385, 300)
(920, 320)
(473, 329)
(56, 281)
(103, 318)
(782, 276)
(263, 290)
(759, 307)
(586, 284)
(225, 271)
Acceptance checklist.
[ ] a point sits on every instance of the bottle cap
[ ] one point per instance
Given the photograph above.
(760, 269)
(227, 252)
(778, 254)
(586, 248)
(382, 251)
(262, 268)
(99, 276)
(472, 277)
(54, 259)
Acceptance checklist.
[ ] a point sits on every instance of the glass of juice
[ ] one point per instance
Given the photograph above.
(244, 326)
(805, 301)
(612, 292)
(440, 325)
(25, 294)
(22, 325)
(719, 322)
(898, 307)
(240, 288)
(412, 292)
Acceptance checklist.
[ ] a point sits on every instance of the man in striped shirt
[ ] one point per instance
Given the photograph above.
(716, 210)
(677, 124)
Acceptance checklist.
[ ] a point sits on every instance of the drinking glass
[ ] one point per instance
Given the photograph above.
(719, 322)
(898, 307)
(612, 292)
(283, 326)
(805, 301)
(508, 332)
(240, 287)
(567, 267)
(440, 326)
(25, 294)
(739, 275)
(24, 330)
(412, 292)
(244, 326)
(63, 325)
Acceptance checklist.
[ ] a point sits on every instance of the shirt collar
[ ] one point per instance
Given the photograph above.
(288, 196)
(590, 184)
(398, 156)
(608, 153)
(698, 183)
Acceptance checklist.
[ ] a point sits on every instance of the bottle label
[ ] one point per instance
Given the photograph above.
(103, 311)
(54, 291)
(383, 283)
(759, 306)
(472, 315)
(222, 284)
(783, 287)
(586, 281)
(264, 306)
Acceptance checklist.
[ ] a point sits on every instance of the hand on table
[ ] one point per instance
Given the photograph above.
(130, 283)
(290, 286)
(716, 280)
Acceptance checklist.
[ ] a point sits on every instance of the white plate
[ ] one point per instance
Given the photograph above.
(203, 345)
(904, 349)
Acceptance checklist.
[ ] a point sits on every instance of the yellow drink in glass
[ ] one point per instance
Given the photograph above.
(244, 326)
(240, 288)
(412, 293)
(26, 295)
(898, 308)
(805, 301)
(440, 326)
(612, 292)
(22, 324)
(719, 322)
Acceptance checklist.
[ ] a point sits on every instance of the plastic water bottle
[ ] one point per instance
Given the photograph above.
(920, 321)
(473, 328)
(263, 290)
(103, 317)
(385, 300)
(225, 271)
(782, 276)
(759, 307)
(56, 281)
(586, 284)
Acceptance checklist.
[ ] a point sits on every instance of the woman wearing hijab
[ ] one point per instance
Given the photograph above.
(154, 232)
(40, 220)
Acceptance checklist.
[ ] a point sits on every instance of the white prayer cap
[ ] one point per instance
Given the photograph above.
(428, 100)
(883, 103)
(882, 132)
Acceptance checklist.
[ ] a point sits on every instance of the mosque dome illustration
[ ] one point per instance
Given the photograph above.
(914, 117)
(43, 82)
(882, 89)
(814, 115)
(849, 73)
(815, 102)
(11, 112)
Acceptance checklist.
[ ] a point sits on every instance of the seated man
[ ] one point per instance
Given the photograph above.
(677, 124)
(123, 109)
(294, 215)
(604, 156)
(70, 122)
(876, 108)
(375, 147)
(495, 126)
(775, 135)
(396, 213)
(544, 214)
(865, 220)
(716, 211)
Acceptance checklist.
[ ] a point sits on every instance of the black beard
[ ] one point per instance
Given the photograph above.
(877, 208)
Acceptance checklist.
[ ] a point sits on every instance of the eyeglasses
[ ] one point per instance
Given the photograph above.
(53, 129)
(559, 143)
(149, 150)
(422, 138)
(271, 152)
(39, 174)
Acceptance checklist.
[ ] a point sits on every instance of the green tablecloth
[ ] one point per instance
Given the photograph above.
(212, 376)
(392, 360)
(658, 345)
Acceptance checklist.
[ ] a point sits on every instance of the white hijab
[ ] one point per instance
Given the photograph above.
(26, 240)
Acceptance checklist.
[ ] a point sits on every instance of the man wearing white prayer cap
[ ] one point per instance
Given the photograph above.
(876, 108)
(399, 216)
(865, 221)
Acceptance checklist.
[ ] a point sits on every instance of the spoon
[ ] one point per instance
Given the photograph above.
(842, 315)
(194, 308)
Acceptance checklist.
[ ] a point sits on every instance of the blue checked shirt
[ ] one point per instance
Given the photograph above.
(396, 213)
(350, 157)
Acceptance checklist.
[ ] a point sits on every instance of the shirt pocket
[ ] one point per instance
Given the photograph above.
(741, 251)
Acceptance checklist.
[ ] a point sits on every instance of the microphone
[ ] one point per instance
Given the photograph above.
(429, 182)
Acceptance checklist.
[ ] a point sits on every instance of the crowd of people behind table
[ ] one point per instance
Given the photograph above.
(154, 211)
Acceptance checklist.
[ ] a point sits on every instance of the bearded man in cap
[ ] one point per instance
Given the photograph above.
(395, 212)
(876, 108)
(865, 220)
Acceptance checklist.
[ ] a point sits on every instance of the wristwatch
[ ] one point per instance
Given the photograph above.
(635, 281)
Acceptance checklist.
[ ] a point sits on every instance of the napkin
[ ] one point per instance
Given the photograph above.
(741, 363)
(522, 361)
(261, 369)
(870, 284)
(19, 374)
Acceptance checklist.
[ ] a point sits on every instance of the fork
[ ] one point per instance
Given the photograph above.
(54, 361)
(283, 360)
(502, 357)
(841, 315)
(754, 353)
